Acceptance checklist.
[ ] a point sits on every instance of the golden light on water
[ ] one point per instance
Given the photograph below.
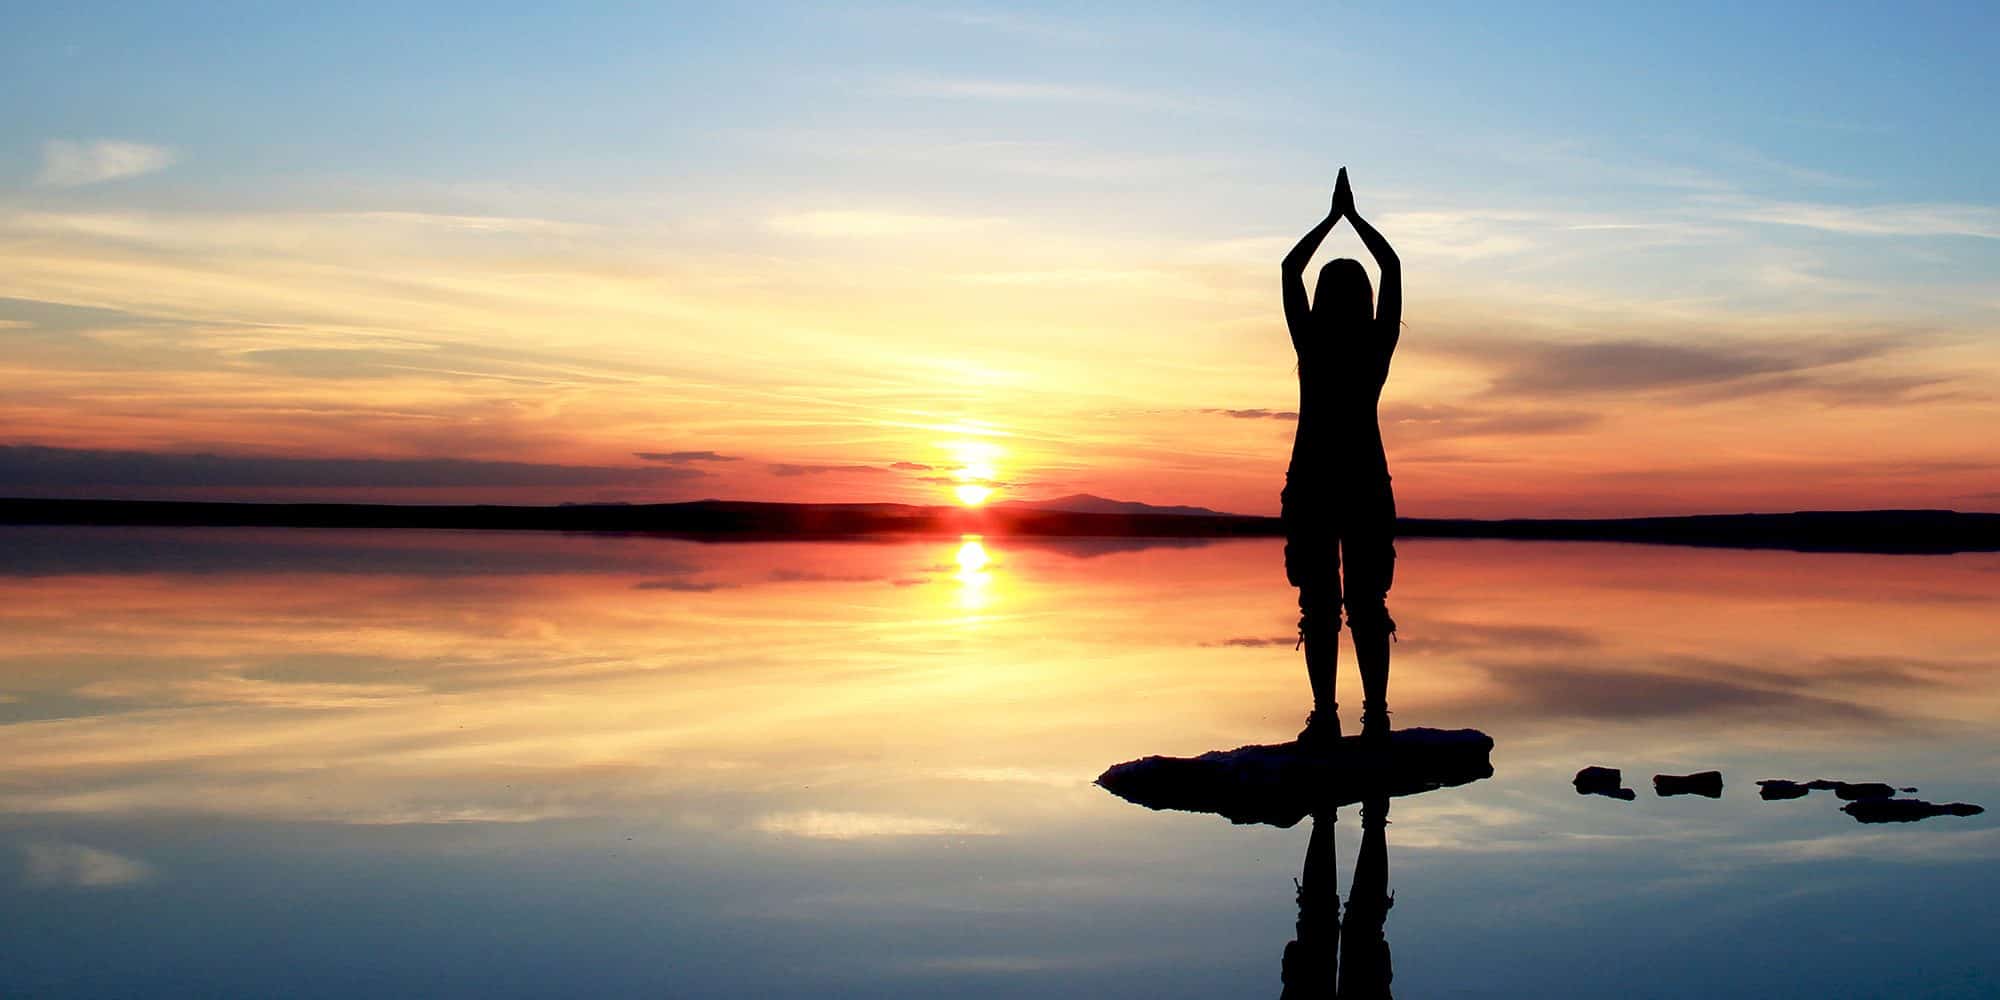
(972, 556)
(972, 575)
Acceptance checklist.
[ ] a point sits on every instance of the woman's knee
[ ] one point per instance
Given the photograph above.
(1369, 617)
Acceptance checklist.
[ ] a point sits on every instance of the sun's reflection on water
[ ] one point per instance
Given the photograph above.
(974, 579)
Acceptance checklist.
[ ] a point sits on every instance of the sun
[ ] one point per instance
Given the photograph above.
(976, 479)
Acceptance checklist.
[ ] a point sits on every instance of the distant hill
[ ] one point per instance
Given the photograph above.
(1085, 503)
(1885, 531)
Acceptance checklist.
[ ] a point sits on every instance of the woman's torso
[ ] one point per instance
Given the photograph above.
(1339, 437)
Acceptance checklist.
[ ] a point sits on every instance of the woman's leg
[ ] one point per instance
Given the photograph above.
(1370, 550)
(1319, 633)
(1312, 564)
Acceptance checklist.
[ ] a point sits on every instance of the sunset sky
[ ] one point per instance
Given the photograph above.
(1693, 258)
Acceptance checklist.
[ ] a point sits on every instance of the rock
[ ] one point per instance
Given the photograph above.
(1282, 783)
(1597, 779)
(1851, 791)
(1886, 810)
(1773, 789)
(1854, 791)
(1704, 783)
(1606, 781)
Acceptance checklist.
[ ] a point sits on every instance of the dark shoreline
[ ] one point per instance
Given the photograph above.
(1880, 531)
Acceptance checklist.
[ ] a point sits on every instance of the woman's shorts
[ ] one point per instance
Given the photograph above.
(1323, 526)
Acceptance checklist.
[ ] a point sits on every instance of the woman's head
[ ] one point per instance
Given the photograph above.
(1344, 294)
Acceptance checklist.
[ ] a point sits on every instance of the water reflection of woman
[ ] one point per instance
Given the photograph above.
(1335, 957)
(1337, 499)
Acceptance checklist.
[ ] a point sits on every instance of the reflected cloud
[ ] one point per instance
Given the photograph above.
(817, 825)
(1900, 846)
(1611, 693)
(1015, 775)
(32, 470)
(76, 866)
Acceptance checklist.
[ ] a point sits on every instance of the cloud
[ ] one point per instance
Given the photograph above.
(1002, 484)
(1255, 414)
(430, 360)
(1433, 421)
(1033, 91)
(1252, 642)
(238, 689)
(1836, 390)
(789, 469)
(43, 469)
(848, 224)
(1980, 221)
(1529, 368)
(74, 866)
(471, 223)
(813, 576)
(681, 457)
(1437, 421)
(67, 163)
(910, 466)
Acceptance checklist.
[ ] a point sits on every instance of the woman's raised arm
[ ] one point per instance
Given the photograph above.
(1389, 301)
(1294, 269)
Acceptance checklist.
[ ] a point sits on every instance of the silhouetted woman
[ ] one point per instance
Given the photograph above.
(1337, 500)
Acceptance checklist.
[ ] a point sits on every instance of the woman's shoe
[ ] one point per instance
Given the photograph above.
(1322, 728)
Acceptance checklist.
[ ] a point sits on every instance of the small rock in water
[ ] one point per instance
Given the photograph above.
(1707, 784)
(1605, 781)
(1773, 789)
(1855, 791)
(1905, 810)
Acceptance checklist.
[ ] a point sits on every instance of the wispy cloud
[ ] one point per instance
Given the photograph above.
(849, 223)
(682, 457)
(1555, 368)
(237, 689)
(68, 163)
(1432, 421)
(470, 223)
(791, 469)
(962, 88)
(1940, 219)
(1255, 413)
(1033, 27)
(1254, 642)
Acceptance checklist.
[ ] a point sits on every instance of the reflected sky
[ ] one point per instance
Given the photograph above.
(456, 763)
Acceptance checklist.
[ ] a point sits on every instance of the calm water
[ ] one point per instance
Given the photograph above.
(335, 763)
